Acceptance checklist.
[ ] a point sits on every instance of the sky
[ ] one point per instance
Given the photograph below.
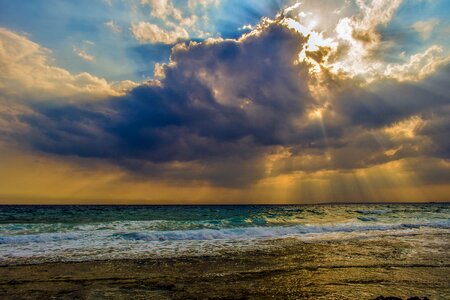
(224, 101)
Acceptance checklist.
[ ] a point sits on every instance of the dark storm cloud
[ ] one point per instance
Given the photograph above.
(221, 102)
(437, 129)
(353, 133)
(430, 170)
(224, 104)
(389, 101)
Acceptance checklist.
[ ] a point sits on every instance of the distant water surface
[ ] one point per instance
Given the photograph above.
(33, 234)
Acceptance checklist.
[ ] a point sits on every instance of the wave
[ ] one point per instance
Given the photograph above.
(36, 228)
(268, 232)
(114, 244)
(139, 234)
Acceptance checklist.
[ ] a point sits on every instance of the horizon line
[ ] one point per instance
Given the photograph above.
(225, 204)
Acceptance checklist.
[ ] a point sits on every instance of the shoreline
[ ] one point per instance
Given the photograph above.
(383, 267)
(211, 248)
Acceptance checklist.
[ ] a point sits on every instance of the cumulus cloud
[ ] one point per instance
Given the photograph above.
(27, 72)
(360, 33)
(173, 21)
(235, 112)
(419, 65)
(146, 32)
(163, 9)
(196, 112)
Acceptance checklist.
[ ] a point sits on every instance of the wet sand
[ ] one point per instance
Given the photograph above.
(352, 269)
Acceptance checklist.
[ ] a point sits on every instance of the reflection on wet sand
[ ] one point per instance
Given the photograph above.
(344, 269)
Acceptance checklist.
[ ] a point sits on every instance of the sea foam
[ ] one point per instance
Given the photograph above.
(201, 231)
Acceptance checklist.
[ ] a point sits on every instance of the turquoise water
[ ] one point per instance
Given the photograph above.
(67, 233)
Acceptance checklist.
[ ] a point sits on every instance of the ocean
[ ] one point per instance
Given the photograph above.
(43, 234)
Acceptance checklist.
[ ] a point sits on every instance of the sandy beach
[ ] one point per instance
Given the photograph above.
(322, 270)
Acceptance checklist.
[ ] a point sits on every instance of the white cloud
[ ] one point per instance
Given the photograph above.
(176, 20)
(246, 27)
(27, 72)
(192, 4)
(146, 32)
(425, 27)
(113, 26)
(163, 9)
(361, 34)
(419, 65)
(83, 54)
